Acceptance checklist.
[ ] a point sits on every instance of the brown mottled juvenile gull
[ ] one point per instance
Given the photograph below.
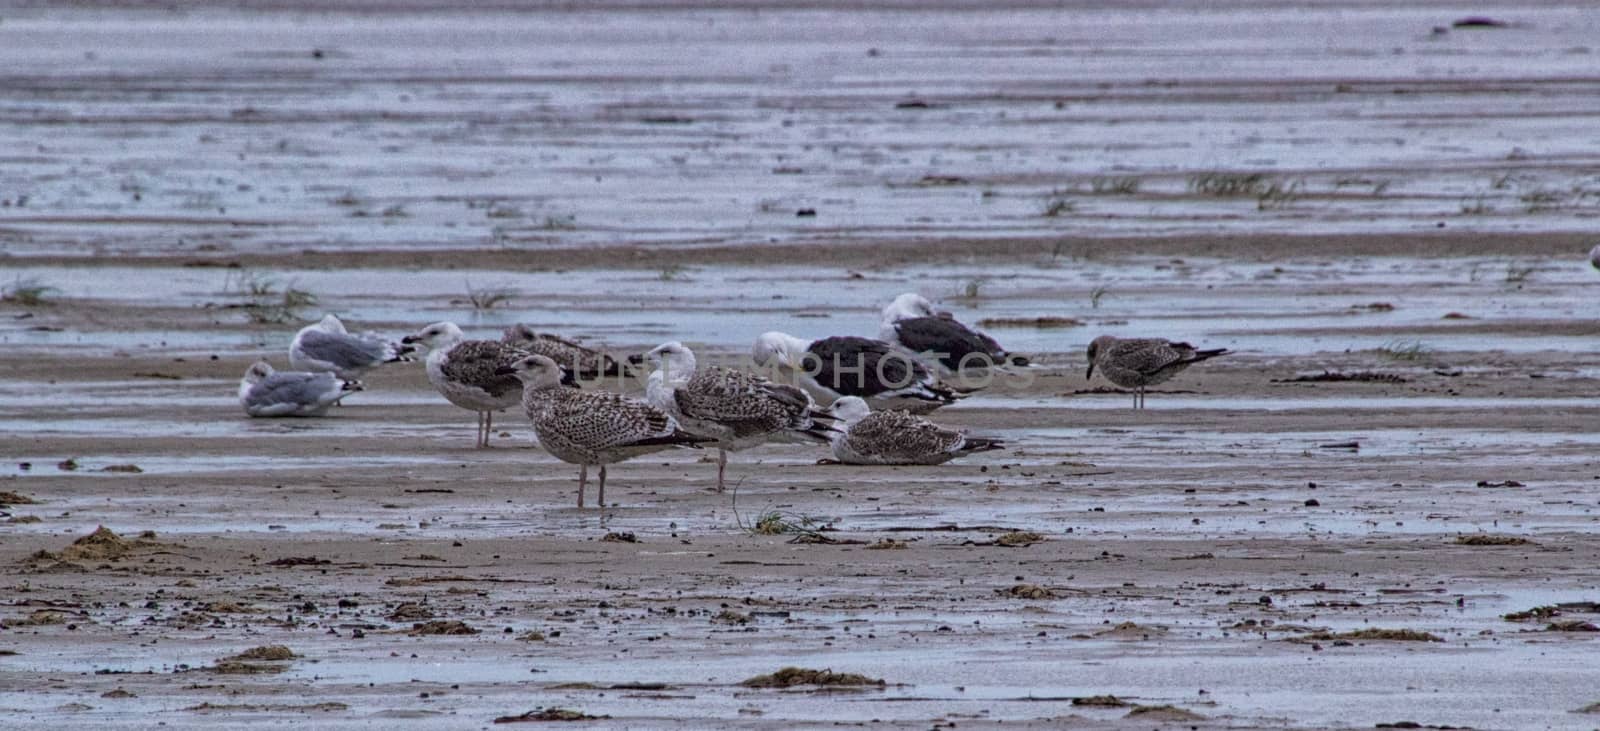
(267, 392)
(1139, 362)
(739, 410)
(327, 346)
(581, 361)
(831, 368)
(911, 323)
(465, 372)
(898, 438)
(591, 427)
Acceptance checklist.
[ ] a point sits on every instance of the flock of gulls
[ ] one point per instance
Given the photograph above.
(862, 397)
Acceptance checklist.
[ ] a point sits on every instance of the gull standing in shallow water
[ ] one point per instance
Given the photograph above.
(898, 438)
(267, 392)
(738, 409)
(831, 368)
(583, 362)
(911, 322)
(466, 372)
(1139, 362)
(591, 427)
(327, 346)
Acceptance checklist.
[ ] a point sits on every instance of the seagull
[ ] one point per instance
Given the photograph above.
(591, 427)
(839, 366)
(327, 346)
(911, 322)
(1139, 362)
(583, 362)
(738, 409)
(898, 438)
(466, 372)
(267, 392)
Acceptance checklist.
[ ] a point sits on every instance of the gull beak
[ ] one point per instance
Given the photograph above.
(409, 340)
(504, 371)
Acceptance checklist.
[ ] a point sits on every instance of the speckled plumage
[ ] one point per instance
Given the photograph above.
(738, 409)
(464, 372)
(264, 391)
(591, 427)
(1140, 362)
(899, 438)
(584, 362)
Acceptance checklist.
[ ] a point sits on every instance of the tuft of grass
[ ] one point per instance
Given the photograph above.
(1405, 350)
(1279, 194)
(1095, 295)
(26, 291)
(266, 301)
(560, 223)
(777, 522)
(1544, 199)
(1229, 185)
(485, 299)
(670, 273)
(1059, 207)
(1517, 273)
(1121, 185)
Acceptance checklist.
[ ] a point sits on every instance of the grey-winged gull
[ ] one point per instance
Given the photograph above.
(264, 391)
(466, 372)
(911, 322)
(898, 438)
(740, 410)
(327, 346)
(1139, 362)
(579, 360)
(591, 427)
(829, 368)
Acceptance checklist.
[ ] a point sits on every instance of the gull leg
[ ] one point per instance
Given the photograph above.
(583, 479)
(722, 466)
(602, 500)
(477, 436)
(488, 426)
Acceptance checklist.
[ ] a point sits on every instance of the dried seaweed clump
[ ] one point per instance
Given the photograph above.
(1018, 538)
(1481, 539)
(1026, 591)
(1373, 633)
(792, 676)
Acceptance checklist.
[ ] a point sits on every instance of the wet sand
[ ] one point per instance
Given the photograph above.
(1202, 561)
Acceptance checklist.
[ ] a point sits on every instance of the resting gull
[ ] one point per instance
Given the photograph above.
(898, 438)
(1139, 362)
(581, 361)
(327, 346)
(267, 392)
(839, 366)
(739, 409)
(911, 322)
(591, 427)
(466, 372)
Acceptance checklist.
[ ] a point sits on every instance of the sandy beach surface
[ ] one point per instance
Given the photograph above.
(1381, 509)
